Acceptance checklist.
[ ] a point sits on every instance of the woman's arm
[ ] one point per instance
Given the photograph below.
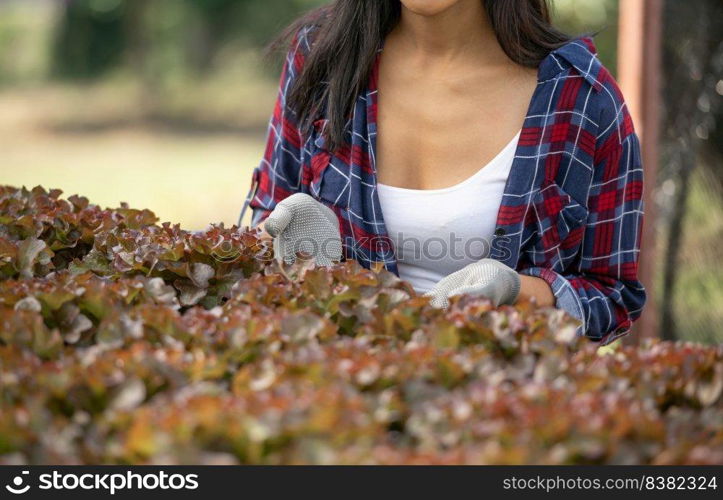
(280, 173)
(537, 289)
(601, 288)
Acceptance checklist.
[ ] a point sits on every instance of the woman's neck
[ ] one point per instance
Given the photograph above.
(462, 31)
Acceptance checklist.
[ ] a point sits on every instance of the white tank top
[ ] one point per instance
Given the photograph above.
(436, 232)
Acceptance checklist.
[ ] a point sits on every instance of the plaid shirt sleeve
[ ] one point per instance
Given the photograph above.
(602, 289)
(280, 173)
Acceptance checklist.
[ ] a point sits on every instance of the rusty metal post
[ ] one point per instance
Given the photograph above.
(639, 76)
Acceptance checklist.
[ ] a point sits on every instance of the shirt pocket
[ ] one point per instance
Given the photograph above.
(327, 181)
(560, 225)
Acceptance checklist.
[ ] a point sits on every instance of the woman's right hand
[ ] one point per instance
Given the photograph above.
(300, 224)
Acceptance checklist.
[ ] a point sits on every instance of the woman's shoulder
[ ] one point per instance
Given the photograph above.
(299, 48)
(577, 59)
(303, 40)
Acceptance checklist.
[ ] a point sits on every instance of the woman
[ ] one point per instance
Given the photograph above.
(467, 146)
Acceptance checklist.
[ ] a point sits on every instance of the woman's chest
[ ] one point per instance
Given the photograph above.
(433, 135)
(544, 198)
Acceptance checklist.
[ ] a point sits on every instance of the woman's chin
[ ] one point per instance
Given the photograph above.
(429, 8)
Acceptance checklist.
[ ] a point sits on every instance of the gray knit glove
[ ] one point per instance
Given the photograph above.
(487, 278)
(299, 223)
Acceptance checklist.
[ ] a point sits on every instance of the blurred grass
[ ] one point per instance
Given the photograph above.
(185, 150)
(91, 141)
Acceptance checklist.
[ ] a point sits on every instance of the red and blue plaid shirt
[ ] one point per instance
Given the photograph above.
(571, 212)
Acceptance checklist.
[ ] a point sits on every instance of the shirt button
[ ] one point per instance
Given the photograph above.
(500, 232)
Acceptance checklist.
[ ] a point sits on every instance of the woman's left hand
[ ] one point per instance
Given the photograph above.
(487, 278)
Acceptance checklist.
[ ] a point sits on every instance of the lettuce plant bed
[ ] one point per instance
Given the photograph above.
(125, 341)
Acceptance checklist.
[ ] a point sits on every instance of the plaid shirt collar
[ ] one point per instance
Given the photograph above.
(580, 54)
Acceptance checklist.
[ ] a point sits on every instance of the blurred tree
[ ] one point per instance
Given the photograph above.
(262, 18)
(138, 43)
(210, 29)
(693, 75)
(252, 22)
(90, 38)
(95, 36)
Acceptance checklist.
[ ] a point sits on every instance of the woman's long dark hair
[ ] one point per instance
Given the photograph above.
(348, 33)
